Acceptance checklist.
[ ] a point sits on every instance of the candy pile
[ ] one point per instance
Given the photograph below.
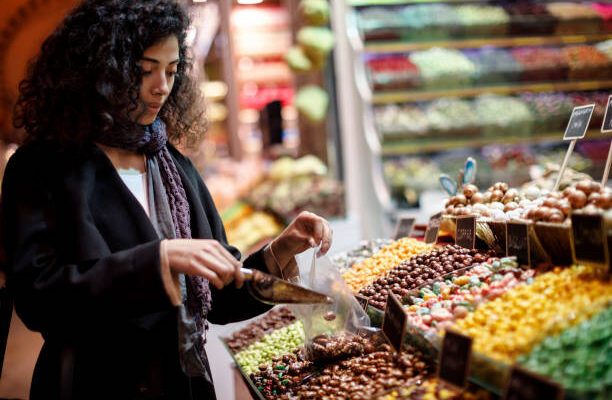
(482, 20)
(448, 116)
(428, 21)
(529, 18)
(407, 120)
(358, 378)
(326, 348)
(434, 389)
(441, 68)
(579, 358)
(497, 200)
(503, 115)
(278, 342)
(274, 319)
(393, 72)
(367, 248)
(574, 18)
(586, 63)
(510, 325)
(541, 63)
(550, 110)
(379, 264)
(494, 65)
(440, 303)
(420, 270)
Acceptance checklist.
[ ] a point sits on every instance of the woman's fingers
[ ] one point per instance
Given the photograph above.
(223, 254)
(220, 266)
(201, 270)
(328, 235)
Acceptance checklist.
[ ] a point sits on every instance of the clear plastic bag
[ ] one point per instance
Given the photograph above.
(331, 330)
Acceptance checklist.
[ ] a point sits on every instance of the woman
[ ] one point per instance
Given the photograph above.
(111, 235)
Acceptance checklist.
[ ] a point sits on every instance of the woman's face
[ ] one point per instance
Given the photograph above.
(159, 65)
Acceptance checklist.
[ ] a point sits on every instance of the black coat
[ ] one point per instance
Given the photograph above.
(84, 270)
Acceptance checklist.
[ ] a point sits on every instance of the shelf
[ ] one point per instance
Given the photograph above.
(415, 96)
(399, 46)
(365, 3)
(413, 146)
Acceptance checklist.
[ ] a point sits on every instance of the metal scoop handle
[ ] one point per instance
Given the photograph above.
(272, 290)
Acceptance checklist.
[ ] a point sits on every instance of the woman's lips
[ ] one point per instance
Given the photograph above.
(154, 107)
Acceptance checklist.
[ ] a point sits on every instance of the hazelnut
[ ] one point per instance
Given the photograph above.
(497, 195)
(577, 199)
(469, 190)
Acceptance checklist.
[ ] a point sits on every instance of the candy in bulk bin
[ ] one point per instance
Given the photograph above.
(380, 23)
(587, 63)
(443, 68)
(482, 20)
(494, 65)
(401, 121)
(344, 261)
(435, 389)
(512, 324)
(579, 358)
(550, 110)
(273, 319)
(382, 262)
(600, 99)
(529, 19)
(420, 270)
(503, 115)
(605, 47)
(574, 18)
(393, 73)
(451, 116)
(605, 11)
(429, 21)
(541, 63)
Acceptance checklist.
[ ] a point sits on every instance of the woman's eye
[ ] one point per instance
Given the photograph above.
(145, 72)
(171, 73)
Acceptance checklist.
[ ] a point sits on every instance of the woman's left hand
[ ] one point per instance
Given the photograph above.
(307, 230)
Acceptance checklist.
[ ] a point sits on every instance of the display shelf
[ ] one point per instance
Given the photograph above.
(366, 3)
(404, 46)
(505, 89)
(413, 146)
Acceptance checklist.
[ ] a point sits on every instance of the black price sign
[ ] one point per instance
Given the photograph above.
(363, 301)
(579, 122)
(465, 235)
(404, 227)
(589, 239)
(394, 322)
(433, 227)
(525, 385)
(606, 126)
(454, 363)
(517, 242)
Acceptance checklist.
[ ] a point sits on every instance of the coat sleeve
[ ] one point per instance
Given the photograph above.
(51, 294)
(228, 304)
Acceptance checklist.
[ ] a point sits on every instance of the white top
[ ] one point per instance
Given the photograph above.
(136, 181)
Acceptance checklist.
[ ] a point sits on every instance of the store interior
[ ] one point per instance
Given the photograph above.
(371, 112)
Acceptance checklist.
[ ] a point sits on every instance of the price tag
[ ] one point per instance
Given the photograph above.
(454, 363)
(606, 126)
(394, 322)
(589, 240)
(363, 301)
(579, 122)
(433, 227)
(404, 227)
(517, 242)
(465, 235)
(525, 385)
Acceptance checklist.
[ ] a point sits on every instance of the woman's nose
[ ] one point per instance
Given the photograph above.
(160, 85)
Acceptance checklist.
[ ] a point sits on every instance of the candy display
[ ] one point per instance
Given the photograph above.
(380, 23)
(276, 343)
(600, 99)
(605, 11)
(541, 63)
(434, 389)
(439, 304)
(326, 348)
(367, 248)
(511, 325)
(574, 18)
(578, 358)
(393, 72)
(503, 115)
(482, 20)
(442, 68)
(356, 378)
(250, 229)
(587, 63)
(429, 21)
(529, 19)
(605, 47)
(494, 65)
(408, 177)
(379, 264)
(420, 270)
(274, 319)
(450, 116)
(405, 121)
(551, 111)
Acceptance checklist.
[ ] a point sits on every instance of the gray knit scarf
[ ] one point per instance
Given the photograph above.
(171, 218)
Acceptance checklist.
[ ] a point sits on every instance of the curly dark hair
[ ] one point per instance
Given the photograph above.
(87, 74)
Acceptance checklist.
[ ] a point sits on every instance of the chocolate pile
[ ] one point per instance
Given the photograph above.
(274, 319)
(339, 346)
(422, 269)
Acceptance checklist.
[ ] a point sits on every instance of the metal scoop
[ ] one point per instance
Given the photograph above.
(272, 290)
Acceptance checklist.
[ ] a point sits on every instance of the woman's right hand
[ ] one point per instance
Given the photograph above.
(206, 258)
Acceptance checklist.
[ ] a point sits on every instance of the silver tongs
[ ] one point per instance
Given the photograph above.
(272, 290)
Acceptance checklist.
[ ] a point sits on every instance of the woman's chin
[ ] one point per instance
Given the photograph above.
(147, 119)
